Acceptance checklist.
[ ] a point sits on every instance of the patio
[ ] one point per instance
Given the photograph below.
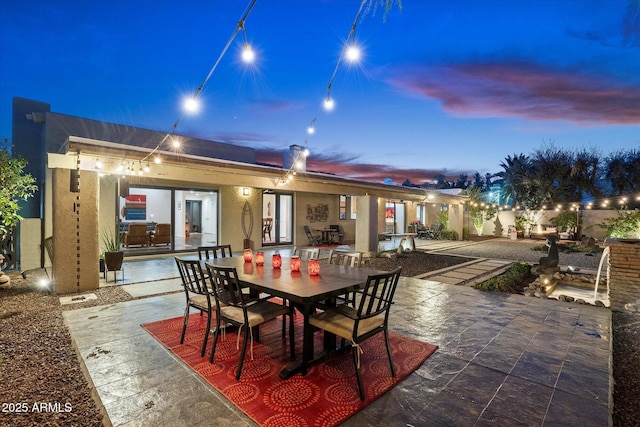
(503, 359)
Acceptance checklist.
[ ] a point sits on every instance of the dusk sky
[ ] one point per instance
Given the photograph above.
(442, 87)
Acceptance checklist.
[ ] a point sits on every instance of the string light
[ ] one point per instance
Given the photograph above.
(351, 52)
(239, 27)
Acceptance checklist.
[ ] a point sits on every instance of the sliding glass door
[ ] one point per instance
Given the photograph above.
(277, 219)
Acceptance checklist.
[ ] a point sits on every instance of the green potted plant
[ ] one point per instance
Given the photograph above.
(113, 253)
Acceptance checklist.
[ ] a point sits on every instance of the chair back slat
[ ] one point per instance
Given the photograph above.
(349, 259)
(377, 295)
(193, 279)
(226, 286)
(306, 254)
(214, 252)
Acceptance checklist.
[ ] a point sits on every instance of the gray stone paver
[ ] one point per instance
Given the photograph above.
(503, 360)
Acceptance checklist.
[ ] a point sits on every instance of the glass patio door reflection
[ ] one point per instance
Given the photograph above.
(277, 219)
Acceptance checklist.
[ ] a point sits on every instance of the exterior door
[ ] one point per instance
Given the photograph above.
(277, 219)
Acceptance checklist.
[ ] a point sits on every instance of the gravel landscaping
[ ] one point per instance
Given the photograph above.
(43, 382)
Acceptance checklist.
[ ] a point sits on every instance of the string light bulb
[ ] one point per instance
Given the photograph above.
(191, 105)
(99, 164)
(353, 53)
(248, 55)
(175, 143)
(329, 105)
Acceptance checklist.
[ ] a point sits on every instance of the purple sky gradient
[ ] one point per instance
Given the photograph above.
(444, 87)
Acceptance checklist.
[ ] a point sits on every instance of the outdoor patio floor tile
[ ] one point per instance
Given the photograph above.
(502, 360)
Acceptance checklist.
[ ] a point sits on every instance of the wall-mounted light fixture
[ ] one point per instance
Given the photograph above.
(245, 191)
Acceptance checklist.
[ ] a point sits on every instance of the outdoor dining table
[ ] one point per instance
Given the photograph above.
(304, 292)
(327, 234)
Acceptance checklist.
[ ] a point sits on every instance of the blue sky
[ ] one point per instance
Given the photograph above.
(443, 87)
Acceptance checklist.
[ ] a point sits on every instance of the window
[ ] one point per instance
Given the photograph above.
(354, 207)
(343, 207)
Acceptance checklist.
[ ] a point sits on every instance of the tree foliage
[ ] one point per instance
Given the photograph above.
(553, 175)
(15, 185)
(479, 210)
(624, 225)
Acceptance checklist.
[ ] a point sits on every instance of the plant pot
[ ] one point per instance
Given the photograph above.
(113, 260)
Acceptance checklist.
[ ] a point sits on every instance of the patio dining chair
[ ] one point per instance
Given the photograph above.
(215, 252)
(314, 240)
(233, 307)
(197, 295)
(306, 254)
(348, 259)
(370, 317)
(434, 231)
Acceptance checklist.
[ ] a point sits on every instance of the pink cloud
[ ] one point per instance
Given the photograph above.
(349, 167)
(525, 90)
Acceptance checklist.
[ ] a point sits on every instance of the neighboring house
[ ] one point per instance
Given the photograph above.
(209, 192)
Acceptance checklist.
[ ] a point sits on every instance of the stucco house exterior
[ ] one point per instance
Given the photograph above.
(95, 176)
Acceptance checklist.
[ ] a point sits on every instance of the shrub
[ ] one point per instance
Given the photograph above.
(510, 281)
(449, 235)
(625, 224)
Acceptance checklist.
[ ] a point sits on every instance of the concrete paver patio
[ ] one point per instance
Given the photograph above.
(503, 360)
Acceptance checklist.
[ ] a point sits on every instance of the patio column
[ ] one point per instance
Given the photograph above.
(75, 263)
(367, 224)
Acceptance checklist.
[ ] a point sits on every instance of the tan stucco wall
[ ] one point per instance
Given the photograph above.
(231, 205)
(108, 216)
(500, 225)
(30, 238)
(303, 201)
(75, 264)
(368, 214)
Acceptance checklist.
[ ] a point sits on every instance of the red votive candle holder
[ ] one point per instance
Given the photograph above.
(295, 263)
(259, 258)
(276, 261)
(314, 267)
(248, 255)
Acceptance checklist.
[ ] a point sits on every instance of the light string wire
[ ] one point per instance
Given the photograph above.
(239, 27)
(350, 38)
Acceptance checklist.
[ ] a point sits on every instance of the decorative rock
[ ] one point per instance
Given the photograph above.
(631, 307)
(5, 281)
(599, 303)
(406, 245)
(529, 293)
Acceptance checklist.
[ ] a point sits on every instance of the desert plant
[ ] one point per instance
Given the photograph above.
(111, 240)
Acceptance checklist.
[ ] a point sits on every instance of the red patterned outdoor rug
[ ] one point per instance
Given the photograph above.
(326, 396)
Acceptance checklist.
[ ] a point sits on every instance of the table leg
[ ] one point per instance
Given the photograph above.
(308, 352)
(307, 346)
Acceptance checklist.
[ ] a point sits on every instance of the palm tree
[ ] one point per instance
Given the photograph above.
(515, 179)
